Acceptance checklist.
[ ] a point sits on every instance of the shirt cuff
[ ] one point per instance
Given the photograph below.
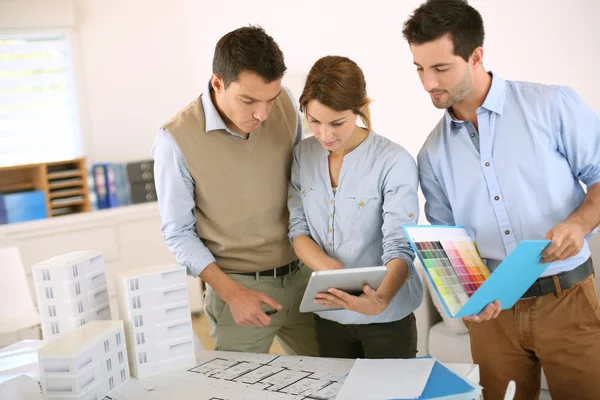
(196, 266)
(295, 232)
(408, 259)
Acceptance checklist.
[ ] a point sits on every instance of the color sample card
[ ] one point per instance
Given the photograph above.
(461, 278)
(455, 267)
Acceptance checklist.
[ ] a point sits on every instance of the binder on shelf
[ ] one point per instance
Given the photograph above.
(111, 186)
(122, 183)
(98, 171)
(141, 171)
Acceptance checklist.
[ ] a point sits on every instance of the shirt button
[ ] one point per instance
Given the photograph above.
(330, 229)
(361, 204)
(304, 192)
(472, 134)
(460, 127)
(330, 244)
(506, 232)
(410, 215)
(487, 164)
(330, 215)
(289, 197)
(496, 198)
(331, 201)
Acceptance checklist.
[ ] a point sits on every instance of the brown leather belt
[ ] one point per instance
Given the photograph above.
(273, 273)
(545, 285)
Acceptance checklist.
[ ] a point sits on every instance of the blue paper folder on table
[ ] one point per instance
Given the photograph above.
(461, 278)
(445, 384)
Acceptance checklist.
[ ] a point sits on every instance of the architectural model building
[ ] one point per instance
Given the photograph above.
(86, 363)
(71, 290)
(154, 306)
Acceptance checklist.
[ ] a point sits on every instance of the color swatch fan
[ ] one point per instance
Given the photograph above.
(460, 276)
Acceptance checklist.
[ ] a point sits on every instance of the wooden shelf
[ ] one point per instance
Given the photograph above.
(62, 185)
(67, 203)
(69, 175)
(17, 187)
(66, 193)
(62, 175)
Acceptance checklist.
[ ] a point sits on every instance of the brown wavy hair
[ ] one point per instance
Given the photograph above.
(338, 83)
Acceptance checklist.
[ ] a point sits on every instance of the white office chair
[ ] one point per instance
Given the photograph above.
(17, 311)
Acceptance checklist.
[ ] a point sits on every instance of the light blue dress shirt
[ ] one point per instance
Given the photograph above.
(519, 175)
(175, 191)
(360, 224)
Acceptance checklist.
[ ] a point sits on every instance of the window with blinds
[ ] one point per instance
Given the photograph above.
(38, 111)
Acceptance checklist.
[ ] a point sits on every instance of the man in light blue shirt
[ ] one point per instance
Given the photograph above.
(506, 161)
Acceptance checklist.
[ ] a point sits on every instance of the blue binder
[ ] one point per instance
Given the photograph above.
(111, 185)
(100, 185)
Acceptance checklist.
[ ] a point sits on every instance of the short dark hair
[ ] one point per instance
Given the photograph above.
(436, 18)
(248, 49)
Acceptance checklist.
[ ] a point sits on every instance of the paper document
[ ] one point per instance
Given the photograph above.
(242, 376)
(386, 379)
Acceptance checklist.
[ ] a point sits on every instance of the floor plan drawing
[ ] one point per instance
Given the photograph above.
(235, 376)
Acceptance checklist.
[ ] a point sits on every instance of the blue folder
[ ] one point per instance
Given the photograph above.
(507, 283)
(443, 383)
(510, 280)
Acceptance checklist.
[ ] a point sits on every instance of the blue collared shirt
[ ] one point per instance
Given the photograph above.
(519, 175)
(360, 224)
(175, 191)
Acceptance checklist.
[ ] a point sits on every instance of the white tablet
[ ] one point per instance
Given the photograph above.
(349, 280)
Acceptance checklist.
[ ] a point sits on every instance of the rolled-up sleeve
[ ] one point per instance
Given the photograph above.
(400, 207)
(578, 129)
(298, 224)
(175, 191)
(437, 206)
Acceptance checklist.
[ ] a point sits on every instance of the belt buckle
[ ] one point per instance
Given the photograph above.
(528, 298)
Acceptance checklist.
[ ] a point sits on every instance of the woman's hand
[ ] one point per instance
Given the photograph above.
(368, 303)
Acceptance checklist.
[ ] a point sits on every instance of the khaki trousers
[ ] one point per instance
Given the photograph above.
(295, 330)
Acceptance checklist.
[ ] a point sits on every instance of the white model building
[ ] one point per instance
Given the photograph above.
(86, 363)
(71, 290)
(154, 306)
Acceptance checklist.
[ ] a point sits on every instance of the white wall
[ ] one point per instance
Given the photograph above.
(137, 68)
(142, 60)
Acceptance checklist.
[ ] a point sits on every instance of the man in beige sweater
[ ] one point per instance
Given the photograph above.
(222, 167)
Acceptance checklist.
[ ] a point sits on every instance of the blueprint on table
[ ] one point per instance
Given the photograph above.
(222, 375)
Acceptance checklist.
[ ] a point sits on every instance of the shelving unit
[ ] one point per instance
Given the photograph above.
(64, 184)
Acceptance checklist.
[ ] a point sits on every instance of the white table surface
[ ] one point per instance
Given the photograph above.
(19, 361)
